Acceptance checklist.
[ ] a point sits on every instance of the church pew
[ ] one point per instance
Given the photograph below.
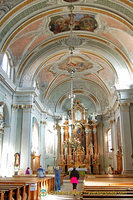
(22, 188)
(46, 183)
(106, 192)
(14, 191)
(4, 194)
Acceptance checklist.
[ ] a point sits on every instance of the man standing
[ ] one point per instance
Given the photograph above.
(57, 171)
(40, 172)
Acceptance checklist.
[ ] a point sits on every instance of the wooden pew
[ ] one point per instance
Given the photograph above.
(107, 186)
(14, 191)
(28, 182)
(3, 194)
(106, 192)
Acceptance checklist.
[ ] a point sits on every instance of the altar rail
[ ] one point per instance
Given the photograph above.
(25, 187)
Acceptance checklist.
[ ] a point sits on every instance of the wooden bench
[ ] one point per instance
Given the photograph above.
(15, 191)
(4, 194)
(106, 192)
(46, 183)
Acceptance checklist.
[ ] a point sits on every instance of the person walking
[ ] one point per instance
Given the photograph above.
(57, 171)
(74, 176)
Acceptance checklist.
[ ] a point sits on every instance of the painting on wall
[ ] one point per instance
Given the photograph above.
(82, 22)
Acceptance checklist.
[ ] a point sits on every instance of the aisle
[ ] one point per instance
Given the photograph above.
(66, 192)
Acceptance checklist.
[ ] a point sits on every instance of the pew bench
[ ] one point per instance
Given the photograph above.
(13, 191)
(106, 192)
(32, 186)
(4, 194)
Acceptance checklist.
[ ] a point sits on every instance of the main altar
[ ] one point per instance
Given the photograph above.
(78, 141)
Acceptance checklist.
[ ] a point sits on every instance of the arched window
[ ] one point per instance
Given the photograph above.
(109, 136)
(5, 64)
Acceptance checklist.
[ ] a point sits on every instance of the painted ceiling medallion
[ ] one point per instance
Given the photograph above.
(76, 63)
(82, 22)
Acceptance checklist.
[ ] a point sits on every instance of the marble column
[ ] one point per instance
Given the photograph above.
(6, 168)
(42, 144)
(95, 138)
(126, 138)
(25, 159)
(114, 143)
(87, 143)
(62, 136)
(12, 139)
(58, 128)
(101, 149)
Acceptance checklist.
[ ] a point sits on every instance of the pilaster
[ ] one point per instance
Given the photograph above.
(126, 137)
(42, 144)
(25, 159)
(114, 143)
(12, 139)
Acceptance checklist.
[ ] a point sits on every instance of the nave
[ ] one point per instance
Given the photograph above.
(29, 187)
(113, 186)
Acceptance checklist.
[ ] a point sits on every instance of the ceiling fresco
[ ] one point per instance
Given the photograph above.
(39, 36)
(82, 22)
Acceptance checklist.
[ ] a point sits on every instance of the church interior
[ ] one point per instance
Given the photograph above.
(66, 87)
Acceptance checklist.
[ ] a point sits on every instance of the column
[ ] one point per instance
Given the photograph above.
(126, 137)
(58, 128)
(12, 139)
(42, 144)
(62, 144)
(101, 145)
(25, 159)
(114, 143)
(87, 142)
(95, 138)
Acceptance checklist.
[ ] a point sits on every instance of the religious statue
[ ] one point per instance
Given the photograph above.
(17, 160)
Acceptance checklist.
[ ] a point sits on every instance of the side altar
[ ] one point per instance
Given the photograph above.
(78, 141)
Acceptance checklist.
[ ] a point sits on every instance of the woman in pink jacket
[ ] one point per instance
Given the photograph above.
(74, 176)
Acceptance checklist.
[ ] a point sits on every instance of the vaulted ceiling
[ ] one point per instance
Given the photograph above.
(36, 35)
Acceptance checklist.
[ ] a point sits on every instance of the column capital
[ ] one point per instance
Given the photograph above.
(15, 106)
(124, 104)
(43, 122)
(25, 106)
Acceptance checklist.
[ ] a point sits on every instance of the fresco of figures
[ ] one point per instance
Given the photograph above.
(82, 22)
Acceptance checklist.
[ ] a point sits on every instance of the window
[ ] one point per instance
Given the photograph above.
(5, 64)
(109, 140)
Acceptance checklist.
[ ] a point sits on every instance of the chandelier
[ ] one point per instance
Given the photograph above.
(71, 68)
(72, 142)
